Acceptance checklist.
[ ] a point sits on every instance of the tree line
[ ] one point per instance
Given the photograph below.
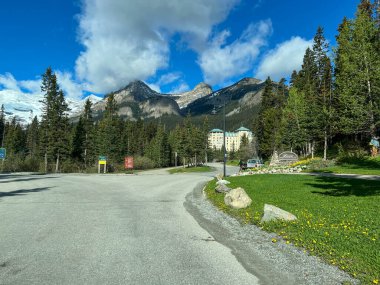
(334, 99)
(55, 144)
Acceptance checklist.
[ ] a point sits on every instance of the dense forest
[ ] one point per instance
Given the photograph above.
(331, 105)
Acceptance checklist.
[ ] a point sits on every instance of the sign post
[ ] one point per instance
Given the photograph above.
(102, 161)
(128, 163)
(3, 155)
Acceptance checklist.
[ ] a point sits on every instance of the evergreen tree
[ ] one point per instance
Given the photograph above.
(14, 140)
(268, 123)
(294, 120)
(357, 61)
(109, 141)
(32, 140)
(2, 125)
(55, 124)
(78, 141)
(88, 128)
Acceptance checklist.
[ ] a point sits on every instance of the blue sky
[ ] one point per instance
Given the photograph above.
(98, 46)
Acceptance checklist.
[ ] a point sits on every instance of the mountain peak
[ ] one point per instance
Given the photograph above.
(202, 85)
(138, 86)
(249, 80)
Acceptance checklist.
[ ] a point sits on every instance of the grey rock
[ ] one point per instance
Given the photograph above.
(222, 188)
(274, 213)
(237, 198)
(219, 176)
(225, 182)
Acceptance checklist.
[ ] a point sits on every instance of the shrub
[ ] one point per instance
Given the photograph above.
(142, 162)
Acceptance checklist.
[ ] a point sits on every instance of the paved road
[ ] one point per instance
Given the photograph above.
(114, 229)
(150, 228)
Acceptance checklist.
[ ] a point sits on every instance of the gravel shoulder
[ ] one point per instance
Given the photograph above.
(273, 263)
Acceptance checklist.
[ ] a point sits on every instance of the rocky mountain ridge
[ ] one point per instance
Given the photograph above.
(138, 101)
(184, 99)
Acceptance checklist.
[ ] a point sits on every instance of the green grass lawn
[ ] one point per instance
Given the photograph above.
(347, 169)
(338, 219)
(350, 165)
(191, 169)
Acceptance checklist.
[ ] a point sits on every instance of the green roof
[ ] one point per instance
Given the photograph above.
(216, 131)
(242, 129)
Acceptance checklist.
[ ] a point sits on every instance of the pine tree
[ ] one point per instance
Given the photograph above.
(78, 141)
(268, 124)
(357, 61)
(109, 141)
(54, 124)
(294, 120)
(32, 140)
(88, 125)
(2, 125)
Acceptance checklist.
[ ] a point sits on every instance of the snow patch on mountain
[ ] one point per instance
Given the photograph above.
(25, 106)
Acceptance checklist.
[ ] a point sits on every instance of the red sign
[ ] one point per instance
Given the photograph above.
(128, 162)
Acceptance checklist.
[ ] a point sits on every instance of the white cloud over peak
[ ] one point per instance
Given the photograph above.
(221, 61)
(182, 87)
(71, 88)
(126, 40)
(9, 82)
(169, 78)
(283, 59)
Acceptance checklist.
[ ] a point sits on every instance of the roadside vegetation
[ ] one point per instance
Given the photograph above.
(203, 168)
(337, 217)
(348, 164)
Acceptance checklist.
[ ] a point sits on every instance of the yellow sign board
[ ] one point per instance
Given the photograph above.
(102, 162)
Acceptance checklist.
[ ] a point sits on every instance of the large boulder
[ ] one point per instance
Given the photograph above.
(274, 213)
(237, 198)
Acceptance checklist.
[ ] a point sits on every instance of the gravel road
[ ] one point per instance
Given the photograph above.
(150, 228)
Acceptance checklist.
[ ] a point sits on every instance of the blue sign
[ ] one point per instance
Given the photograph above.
(3, 153)
(102, 158)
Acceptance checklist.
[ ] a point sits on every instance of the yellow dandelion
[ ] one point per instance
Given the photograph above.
(274, 240)
(375, 281)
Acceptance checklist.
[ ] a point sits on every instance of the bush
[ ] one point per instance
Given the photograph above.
(142, 162)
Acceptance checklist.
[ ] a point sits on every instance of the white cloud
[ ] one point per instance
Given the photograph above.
(154, 87)
(169, 78)
(219, 62)
(9, 82)
(71, 88)
(182, 87)
(282, 60)
(126, 40)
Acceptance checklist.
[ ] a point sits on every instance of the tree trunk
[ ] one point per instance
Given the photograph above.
(325, 147)
(85, 152)
(57, 164)
(312, 149)
(46, 162)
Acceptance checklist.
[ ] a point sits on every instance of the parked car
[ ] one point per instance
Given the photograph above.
(254, 163)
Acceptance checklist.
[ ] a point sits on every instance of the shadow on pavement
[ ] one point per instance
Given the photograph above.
(5, 178)
(23, 192)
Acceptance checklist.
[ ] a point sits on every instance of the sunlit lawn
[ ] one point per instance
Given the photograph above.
(365, 166)
(338, 219)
